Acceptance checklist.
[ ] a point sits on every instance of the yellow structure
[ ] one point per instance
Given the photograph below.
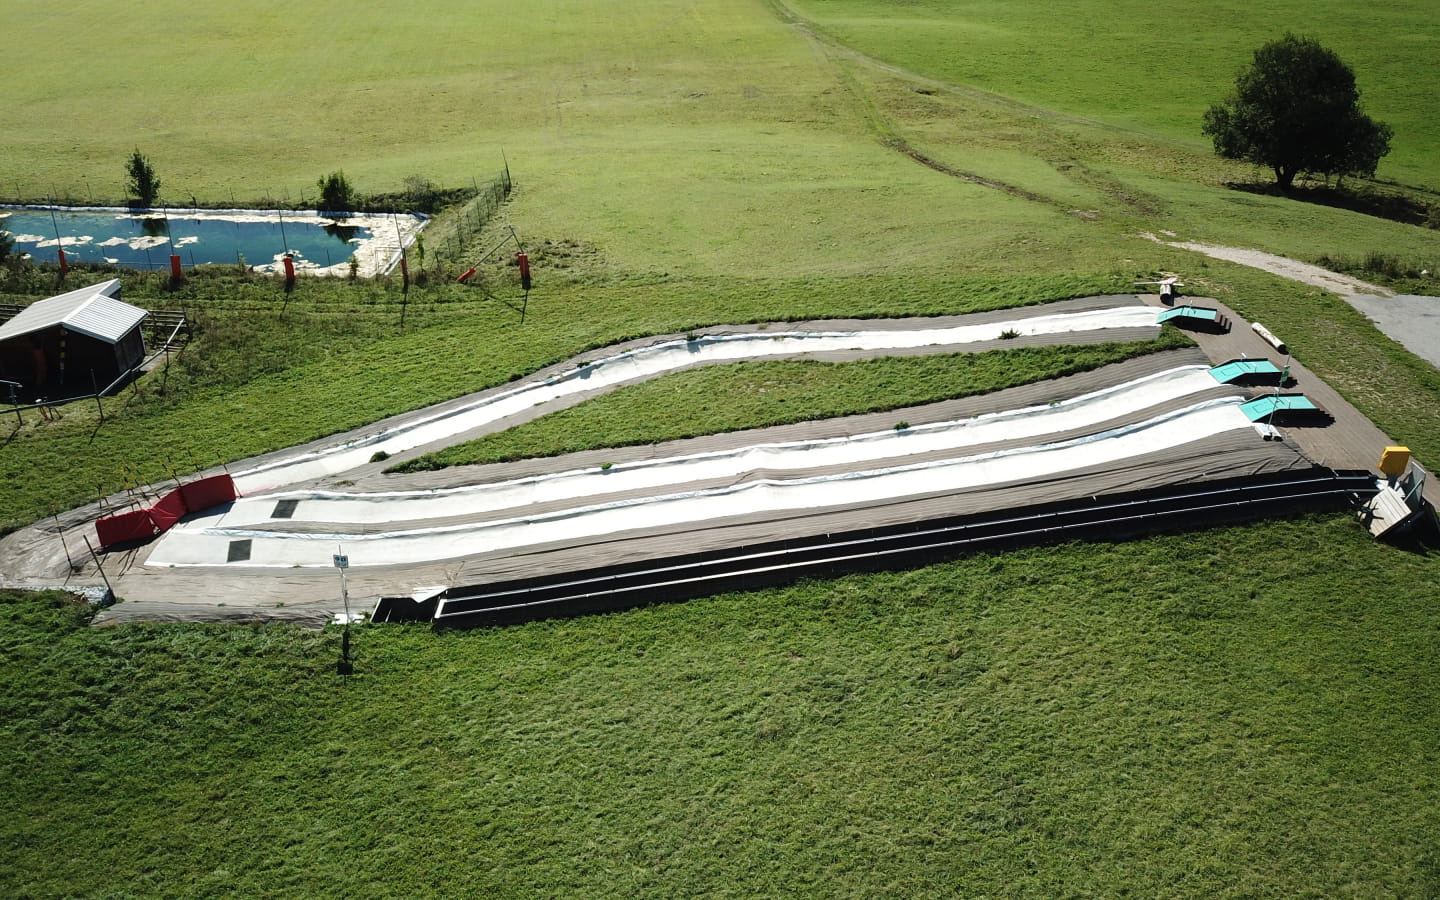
(1394, 460)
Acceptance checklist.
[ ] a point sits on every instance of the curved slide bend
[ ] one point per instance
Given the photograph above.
(656, 359)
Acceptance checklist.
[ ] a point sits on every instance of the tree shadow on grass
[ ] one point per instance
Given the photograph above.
(1395, 207)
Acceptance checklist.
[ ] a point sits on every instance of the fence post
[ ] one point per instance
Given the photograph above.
(95, 386)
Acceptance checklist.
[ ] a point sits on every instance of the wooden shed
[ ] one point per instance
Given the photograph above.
(77, 341)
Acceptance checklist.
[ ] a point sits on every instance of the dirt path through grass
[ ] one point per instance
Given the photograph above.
(1411, 320)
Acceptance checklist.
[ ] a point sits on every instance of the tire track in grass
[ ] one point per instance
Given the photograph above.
(832, 50)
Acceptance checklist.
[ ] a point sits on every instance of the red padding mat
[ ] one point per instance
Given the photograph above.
(169, 510)
(208, 492)
(130, 526)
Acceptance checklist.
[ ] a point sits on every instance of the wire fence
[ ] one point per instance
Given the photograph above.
(445, 239)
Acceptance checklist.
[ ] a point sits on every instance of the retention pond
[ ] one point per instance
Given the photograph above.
(319, 244)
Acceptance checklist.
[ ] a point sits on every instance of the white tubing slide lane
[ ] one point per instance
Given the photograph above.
(210, 547)
(1087, 410)
(648, 361)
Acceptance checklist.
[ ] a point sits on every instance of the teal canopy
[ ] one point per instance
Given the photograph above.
(1189, 312)
(1227, 372)
(1264, 407)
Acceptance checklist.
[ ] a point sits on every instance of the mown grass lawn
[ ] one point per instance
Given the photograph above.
(1244, 712)
(1153, 67)
(1224, 713)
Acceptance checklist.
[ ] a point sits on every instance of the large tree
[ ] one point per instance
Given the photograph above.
(1296, 109)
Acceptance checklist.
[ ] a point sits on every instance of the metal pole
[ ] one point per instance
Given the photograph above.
(15, 401)
(59, 248)
(101, 569)
(169, 238)
(345, 597)
(497, 247)
(404, 270)
(95, 386)
(342, 563)
(61, 531)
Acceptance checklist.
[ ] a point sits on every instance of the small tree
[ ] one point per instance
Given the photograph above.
(1296, 109)
(336, 194)
(143, 184)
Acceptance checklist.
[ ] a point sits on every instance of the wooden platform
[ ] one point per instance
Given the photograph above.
(1386, 510)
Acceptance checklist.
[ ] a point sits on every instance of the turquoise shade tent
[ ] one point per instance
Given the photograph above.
(1189, 313)
(1263, 408)
(1249, 370)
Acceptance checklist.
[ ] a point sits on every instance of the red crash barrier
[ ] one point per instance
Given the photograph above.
(170, 509)
(130, 526)
(207, 492)
(146, 523)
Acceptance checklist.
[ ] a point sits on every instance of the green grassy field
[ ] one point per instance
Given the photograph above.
(1152, 68)
(1242, 712)
(1226, 714)
(716, 139)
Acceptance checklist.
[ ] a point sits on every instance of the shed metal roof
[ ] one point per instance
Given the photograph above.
(1189, 312)
(1263, 407)
(1227, 372)
(92, 311)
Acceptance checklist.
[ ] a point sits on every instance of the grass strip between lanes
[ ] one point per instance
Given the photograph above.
(734, 397)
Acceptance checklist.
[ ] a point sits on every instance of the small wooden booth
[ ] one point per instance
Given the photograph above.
(77, 342)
